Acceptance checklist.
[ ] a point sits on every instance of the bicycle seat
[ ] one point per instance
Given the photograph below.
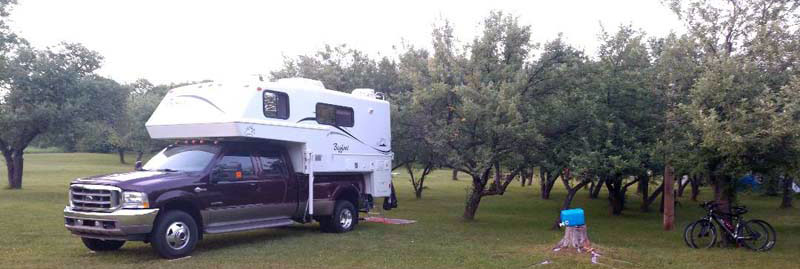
(738, 210)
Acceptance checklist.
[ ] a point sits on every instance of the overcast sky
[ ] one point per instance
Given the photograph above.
(174, 41)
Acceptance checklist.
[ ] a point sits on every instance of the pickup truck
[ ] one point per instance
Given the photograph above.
(188, 190)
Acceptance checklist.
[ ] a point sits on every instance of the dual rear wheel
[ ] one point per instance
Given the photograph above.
(344, 218)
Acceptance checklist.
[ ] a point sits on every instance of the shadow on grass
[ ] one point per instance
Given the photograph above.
(243, 239)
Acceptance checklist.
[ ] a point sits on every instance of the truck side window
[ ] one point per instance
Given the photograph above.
(335, 115)
(234, 167)
(276, 105)
(272, 164)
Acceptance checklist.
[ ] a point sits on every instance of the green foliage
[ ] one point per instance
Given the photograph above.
(343, 69)
(741, 106)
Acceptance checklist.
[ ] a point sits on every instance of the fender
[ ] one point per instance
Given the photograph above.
(173, 195)
(344, 189)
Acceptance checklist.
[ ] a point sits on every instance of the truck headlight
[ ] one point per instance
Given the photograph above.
(133, 200)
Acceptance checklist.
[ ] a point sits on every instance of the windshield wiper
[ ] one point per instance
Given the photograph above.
(166, 170)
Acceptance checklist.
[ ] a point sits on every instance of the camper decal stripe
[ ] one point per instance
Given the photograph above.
(307, 119)
(359, 140)
(348, 134)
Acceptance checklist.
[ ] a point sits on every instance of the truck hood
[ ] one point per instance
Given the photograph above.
(136, 180)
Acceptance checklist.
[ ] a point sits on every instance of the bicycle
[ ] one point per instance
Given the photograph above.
(756, 234)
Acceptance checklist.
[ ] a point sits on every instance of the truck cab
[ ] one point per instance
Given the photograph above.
(197, 187)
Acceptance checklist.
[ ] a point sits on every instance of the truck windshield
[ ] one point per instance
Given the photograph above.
(190, 158)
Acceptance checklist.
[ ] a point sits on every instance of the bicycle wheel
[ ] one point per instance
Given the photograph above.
(754, 235)
(686, 233)
(702, 234)
(770, 237)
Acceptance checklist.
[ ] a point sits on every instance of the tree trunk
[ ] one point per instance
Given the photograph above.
(548, 181)
(575, 237)
(695, 187)
(418, 183)
(641, 188)
(593, 194)
(615, 199)
(624, 191)
(723, 196)
(524, 177)
(121, 156)
(669, 198)
(474, 199)
(14, 165)
(455, 174)
(644, 190)
(139, 156)
(787, 192)
(530, 176)
(9, 168)
(649, 200)
(543, 183)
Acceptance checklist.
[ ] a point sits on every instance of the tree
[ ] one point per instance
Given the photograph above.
(343, 69)
(736, 106)
(44, 91)
(143, 99)
(411, 137)
(617, 142)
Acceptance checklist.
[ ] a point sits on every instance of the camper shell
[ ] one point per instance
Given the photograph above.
(324, 131)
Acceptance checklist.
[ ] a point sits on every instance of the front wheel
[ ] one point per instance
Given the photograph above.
(102, 245)
(757, 235)
(701, 234)
(344, 218)
(175, 235)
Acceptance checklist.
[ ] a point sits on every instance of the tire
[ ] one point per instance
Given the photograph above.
(175, 235)
(701, 234)
(344, 218)
(761, 235)
(686, 234)
(102, 245)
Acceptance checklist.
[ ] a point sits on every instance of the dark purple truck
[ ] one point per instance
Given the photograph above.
(189, 190)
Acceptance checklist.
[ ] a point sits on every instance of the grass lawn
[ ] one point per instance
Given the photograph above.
(511, 231)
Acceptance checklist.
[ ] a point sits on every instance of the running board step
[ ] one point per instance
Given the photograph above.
(252, 225)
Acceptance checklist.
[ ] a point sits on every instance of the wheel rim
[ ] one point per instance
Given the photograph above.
(178, 235)
(755, 236)
(345, 219)
(703, 234)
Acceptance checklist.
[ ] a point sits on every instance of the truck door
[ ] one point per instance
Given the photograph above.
(275, 185)
(234, 187)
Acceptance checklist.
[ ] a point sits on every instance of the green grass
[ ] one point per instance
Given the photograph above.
(511, 231)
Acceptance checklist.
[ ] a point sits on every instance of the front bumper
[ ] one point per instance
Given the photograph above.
(122, 224)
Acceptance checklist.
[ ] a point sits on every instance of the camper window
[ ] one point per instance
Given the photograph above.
(335, 115)
(276, 105)
(272, 164)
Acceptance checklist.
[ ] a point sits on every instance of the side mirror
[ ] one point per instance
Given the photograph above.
(138, 166)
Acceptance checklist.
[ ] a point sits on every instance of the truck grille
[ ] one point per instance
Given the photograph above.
(94, 198)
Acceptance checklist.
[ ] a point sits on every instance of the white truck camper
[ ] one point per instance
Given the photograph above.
(324, 131)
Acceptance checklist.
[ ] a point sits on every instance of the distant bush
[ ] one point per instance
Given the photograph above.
(44, 150)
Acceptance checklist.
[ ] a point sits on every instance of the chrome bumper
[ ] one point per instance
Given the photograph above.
(121, 224)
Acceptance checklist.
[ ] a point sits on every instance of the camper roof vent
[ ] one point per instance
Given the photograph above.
(369, 93)
(301, 83)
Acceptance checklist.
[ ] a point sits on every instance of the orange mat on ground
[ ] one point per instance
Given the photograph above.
(389, 221)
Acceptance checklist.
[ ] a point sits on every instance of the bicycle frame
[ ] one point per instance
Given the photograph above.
(720, 221)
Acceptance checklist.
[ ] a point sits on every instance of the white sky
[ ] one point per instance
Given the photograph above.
(174, 41)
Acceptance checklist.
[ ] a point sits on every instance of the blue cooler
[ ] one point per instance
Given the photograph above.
(572, 217)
